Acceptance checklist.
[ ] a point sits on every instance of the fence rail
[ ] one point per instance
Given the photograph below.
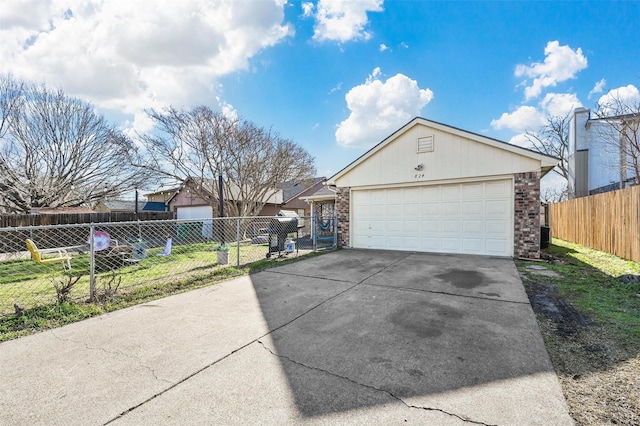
(91, 261)
(608, 222)
(15, 220)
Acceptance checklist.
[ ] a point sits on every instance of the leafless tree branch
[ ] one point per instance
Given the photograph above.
(198, 145)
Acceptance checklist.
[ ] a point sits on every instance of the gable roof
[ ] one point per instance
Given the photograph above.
(231, 193)
(123, 205)
(547, 162)
(324, 193)
(292, 189)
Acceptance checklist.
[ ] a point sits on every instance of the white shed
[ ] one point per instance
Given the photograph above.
(435, 188)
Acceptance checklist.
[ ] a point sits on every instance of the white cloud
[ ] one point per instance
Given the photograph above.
(559, 104)
(344, 20)
(520, 140)
(379, 108)
(623, 100)
(524, 118)
(404, 45)
(338, 87)
(128, 55)
(598, 87)
(561, 63)
(383, 47)
(307, 9)
(528, 117)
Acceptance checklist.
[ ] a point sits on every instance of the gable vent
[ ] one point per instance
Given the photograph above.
(425, 144)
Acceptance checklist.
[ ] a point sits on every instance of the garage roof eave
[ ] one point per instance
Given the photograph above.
(545, 160)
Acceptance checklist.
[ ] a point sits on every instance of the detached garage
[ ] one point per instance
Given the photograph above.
(434, 188)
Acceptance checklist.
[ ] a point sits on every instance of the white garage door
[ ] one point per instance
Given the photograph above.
(472, 218)
(198, 214)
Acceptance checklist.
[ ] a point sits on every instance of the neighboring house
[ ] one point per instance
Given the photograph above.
(595, 160)
(61, 210)
(162, 196)
(430, 187)
(294, 193)
(189, 203)
(120, 206)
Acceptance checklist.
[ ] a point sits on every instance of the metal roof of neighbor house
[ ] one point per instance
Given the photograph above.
(155, 206)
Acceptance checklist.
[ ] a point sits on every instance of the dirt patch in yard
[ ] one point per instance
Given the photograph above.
(599, 372)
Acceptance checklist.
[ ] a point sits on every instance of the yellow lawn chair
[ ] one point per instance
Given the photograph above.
(38, 255)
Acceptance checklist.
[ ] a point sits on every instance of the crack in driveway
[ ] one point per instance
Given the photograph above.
(385, 391)
(101, 349)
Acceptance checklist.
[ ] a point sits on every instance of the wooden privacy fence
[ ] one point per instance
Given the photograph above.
(15, 220)
(607, 222)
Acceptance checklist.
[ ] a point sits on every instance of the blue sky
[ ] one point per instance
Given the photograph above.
(336, 77)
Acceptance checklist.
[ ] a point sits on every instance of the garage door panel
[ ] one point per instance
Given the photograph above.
(496, 226)
(470, 217)
(394, 196)
(450, 192)
(395, 243)
(377, 226)
(430, 227)
(430, 244)
(473, 208)
(473, 245)
(394, 226)
(450, 226)
(472, 190)
(411, 195)
(411, 211)
(394, 210)
(451, 245)
(411, 227)
(411, 243)
(431, 209)
(450, 208)
(497, 207)
(378, 241)
(430, 193)
(496, 247)
(473, 226)
(501, 189)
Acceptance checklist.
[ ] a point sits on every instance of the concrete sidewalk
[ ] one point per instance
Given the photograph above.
(350, 337)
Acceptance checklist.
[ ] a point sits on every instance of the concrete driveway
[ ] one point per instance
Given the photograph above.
(350, 337)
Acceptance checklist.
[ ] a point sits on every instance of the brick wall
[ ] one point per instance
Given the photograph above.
(526, 236)
(342, 211)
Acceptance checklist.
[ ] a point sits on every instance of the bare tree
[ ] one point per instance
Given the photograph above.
(622, 135)
(554, 194)
(553, 139)
(57, 152)
(11, 99)
(198, 145)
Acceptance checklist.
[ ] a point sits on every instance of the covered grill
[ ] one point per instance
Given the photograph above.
(285, 223)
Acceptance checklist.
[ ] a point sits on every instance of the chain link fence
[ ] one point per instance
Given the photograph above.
(40, 265)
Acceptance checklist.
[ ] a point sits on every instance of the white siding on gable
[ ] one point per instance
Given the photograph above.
(455, 157)
(470, 218)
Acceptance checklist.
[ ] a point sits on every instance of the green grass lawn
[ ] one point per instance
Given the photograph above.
(28, 284)
(589, 280)
(188, 267)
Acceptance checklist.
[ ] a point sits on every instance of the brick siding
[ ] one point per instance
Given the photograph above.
(526, 235)
(342, 211)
